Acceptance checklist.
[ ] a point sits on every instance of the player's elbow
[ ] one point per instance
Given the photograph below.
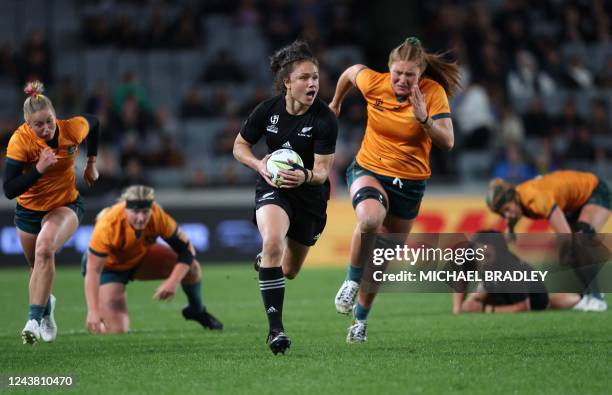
(8, 192)
(448, 143)
(237, 149)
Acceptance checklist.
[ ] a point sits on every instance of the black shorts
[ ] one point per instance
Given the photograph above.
(537, 301)
(306, 223)
(600, 196)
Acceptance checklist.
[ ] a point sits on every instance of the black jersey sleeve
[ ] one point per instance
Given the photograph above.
(254, 126)
(325, 140)
(94, 134)
(181, 248)
(16, 182)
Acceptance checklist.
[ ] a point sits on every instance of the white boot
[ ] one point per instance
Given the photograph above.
(48, 327)
(357, 332)
(345, 298)
(31, 332)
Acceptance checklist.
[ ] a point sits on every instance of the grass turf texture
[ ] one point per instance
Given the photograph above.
(415, 345)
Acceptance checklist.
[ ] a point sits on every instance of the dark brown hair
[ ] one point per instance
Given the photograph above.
(284, 60)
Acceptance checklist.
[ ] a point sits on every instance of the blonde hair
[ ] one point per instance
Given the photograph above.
(138, 192)
(35, 101)
(432, 65)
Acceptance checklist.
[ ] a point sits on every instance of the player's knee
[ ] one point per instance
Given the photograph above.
(44, 250)
(194, 274)
(369, 223)
(273, 249)
(119, 329)
(117, 306)
(291, 274)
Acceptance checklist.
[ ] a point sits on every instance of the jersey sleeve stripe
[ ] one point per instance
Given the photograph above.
(441, 115)
(98, 254)
(551, 211)
(14, 162)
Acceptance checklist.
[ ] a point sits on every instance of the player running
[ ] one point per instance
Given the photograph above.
(40, 174)
(408, 110)
(291, 217)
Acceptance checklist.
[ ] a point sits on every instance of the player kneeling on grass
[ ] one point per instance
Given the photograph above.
(123, 248)
(492, 296)
(575, 203)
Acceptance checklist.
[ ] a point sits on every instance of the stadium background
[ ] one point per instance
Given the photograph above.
(538, 78)
(171, 82)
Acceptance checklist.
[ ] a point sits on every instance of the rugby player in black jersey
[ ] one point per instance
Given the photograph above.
(290, 217)
(505, 297)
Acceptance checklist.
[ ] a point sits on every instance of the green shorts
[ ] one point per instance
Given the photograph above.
(110, 276)
(600, 196)
(404, 195)
(30, 221)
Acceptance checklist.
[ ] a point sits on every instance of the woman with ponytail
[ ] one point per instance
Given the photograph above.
(292, 216)
(408, 110)
(40, 174)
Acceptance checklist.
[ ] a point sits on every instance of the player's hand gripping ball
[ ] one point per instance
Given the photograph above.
(282, 159)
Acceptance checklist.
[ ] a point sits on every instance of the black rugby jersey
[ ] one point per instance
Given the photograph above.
(313, 132)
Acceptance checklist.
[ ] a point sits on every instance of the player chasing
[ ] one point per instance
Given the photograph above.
(40, 174)
(573, 202)
(291, 217)
(123, 248)
(496, 297)
(407, 111)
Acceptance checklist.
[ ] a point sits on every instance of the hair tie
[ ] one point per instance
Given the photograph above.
(283, 65)
(413, 40)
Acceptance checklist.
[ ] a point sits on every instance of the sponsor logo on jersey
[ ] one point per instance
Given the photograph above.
(274, 119)
(266, 196)
(378, 104)
(287, 145)
(272, 128)
(317, 237)
(305, 132)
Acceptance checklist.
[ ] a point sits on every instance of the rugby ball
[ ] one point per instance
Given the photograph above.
(280, 160)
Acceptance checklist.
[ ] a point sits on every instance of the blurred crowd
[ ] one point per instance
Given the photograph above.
(537, 81)
(536, 91)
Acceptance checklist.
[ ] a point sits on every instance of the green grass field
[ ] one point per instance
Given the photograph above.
(415, 345)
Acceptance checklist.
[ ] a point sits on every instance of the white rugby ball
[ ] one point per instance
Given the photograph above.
(279, 160)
